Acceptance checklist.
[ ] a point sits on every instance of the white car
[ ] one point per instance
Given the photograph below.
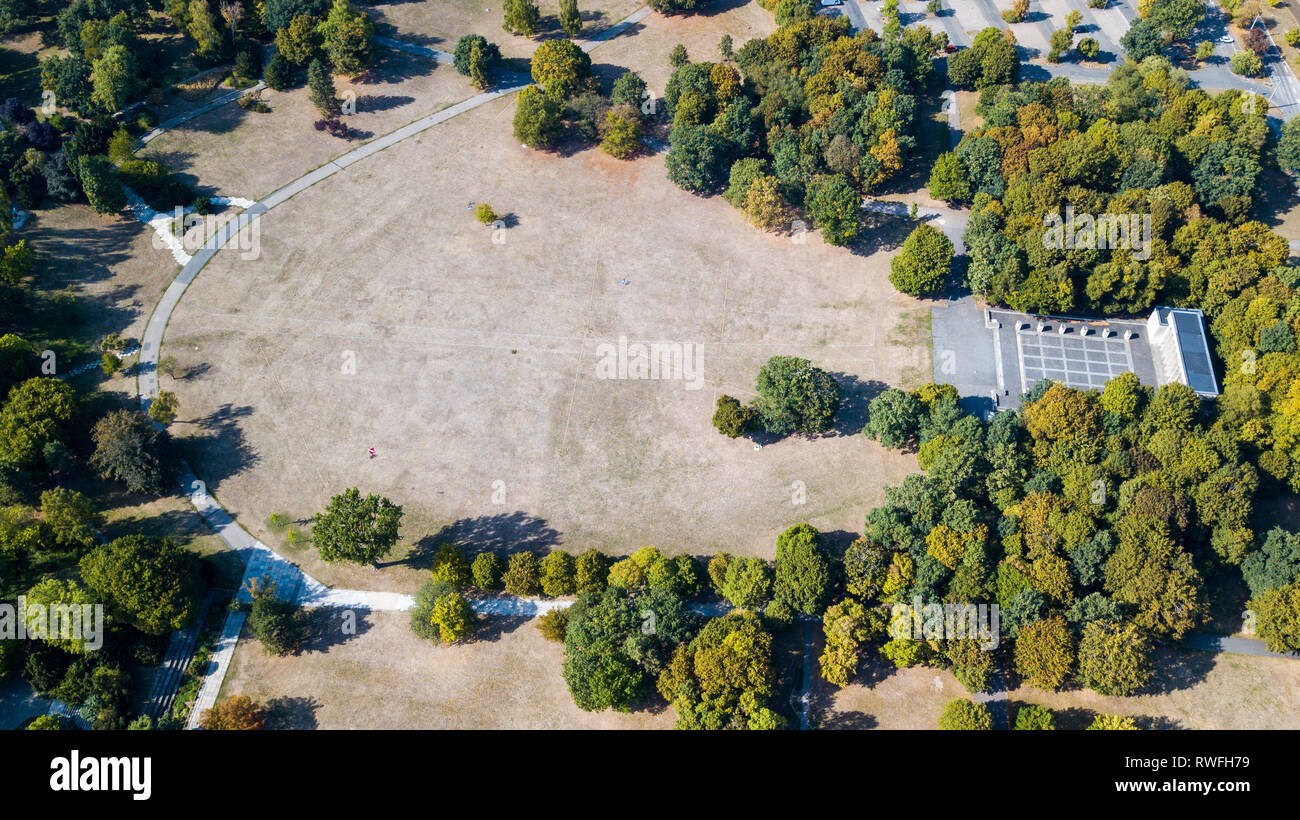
(1227, 38)
(832, 2)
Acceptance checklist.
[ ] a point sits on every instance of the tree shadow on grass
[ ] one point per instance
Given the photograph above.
(326, 627)
(504, 534)
(1175, 670)
(291, 713)
(849, 721)
(223, 451)
(855, 397)
(491, 628)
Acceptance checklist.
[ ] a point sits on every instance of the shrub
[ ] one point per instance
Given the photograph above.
(450, 566)
(523, 574)
(622, 133)
(1112, 723)
(557, 574)
(1089, 48)
(591, 572)
(239, 713)
(484, 214)
(1034, 717)
(629, 89)
(965, 715)
(553, 623)
(486, 569)
(731, 418)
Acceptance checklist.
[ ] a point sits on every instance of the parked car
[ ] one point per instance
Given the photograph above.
(1227, 38)
(832, 2)
(950, 48)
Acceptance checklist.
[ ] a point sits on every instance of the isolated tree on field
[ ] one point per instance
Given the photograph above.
(923, 264)
(678, 56)
(152, 581)
(570, 19)
(279, 625)
(537, 118)
(234, 713)
(128, 449)
(795, 397)
(521, 17)
(324, 96)
(356, 529)
(346, 37)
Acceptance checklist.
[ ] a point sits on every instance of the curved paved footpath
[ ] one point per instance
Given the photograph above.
(291, 581)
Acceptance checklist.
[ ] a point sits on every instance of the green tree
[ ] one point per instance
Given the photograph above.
(1031, 716)
(521, 17)
(523, 574)
(1089, 48)
(450, 566)
(454, 617)
(558, 570)
(346, 37)
(153, 582)
(553, 623)
(731, 418)
(1045, 653)
(948, 179)
(559, 66)
(570, 19)
(591, 571)
(678, 56)
(1275, 564)
(803, 572)
(835, 208)
(723, 677)
(697, 158)
(113, 79)
(1142, 40)
(537, 118)
(36, 414)
(99, 180)
(629, 89)
(747, 583)
(279, 73)
(1277, 617)
(961, 714)
(356, 529)
(164, 406)
(279, 625)
(320, 84)
(48, 593)
(923, 264)
(128, 449)
(487, 569)
(474, 58)
(622, 133)
(71, 517)
(299, 42)
(1114, 657)
(894, 418)
(795, 397)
